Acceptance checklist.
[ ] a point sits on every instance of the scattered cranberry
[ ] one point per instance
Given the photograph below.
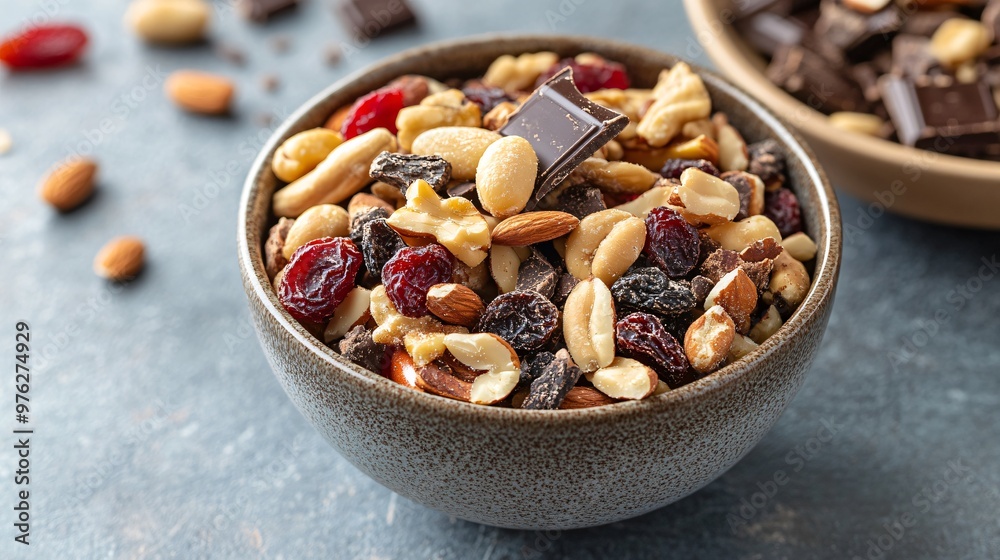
(782, 207)
(673, 168)
(486, 97)
(642, 337)
(318, 278)
(602, 74)
(378, 109)
(44, 46)
(411, 273)
(672, 244)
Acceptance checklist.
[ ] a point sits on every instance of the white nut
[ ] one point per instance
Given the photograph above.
(625, 378)
(490, 353)
(706, 198)
(504, 265)
(736, 236)
(453, 222)
(424, 347)
(302, 152)
(505, 176)
(732, 147)
(653, 198)
(589, 325)
(614, 176)
(604, 245)
(680, 97)
(520, 73)
(343, 173)
(353, 311)
(393, 325)
(768, 325)
(742, 345)
(708, 340)
(800, 246)
(169, 21)
(461, 146)
(789, 279)
(324, 220)
(447, 108)
(958, 40)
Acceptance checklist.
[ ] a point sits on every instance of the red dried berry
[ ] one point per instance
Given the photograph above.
(378, 109)
(782, 207)
(673, 168)
(318, 278)
(410, 274)
(44, 46)
(486, 97)
(642, 337)
(590, 76)
(672, 244)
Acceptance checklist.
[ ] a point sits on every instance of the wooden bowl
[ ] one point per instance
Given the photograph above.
(533, 469)
(920, 184)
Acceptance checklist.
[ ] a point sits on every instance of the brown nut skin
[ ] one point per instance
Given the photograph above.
(69, 184)
(455, 304)
(708, 340)
(737, 294)
(402, 370)
(530, 228)
(120, 259)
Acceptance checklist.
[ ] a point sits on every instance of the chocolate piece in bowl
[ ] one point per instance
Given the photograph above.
(856, 33)
(954, 118)
(816, 82)
(767, 32)
(563, 127)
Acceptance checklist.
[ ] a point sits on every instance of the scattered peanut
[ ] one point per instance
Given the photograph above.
(169, 21)
(604, 245)
(447, 108)
(589, 325)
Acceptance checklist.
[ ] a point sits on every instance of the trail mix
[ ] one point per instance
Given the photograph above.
(543, 237)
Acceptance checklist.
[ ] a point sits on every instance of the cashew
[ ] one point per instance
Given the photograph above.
(302, 152)
(448, 108)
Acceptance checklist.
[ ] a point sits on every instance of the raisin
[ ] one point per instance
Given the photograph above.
(379, 244)
(357, 233)
(526, 320)
(410, 274)
(650, 290)
(549, 389)
(782, 207)
(641, 336)
(487, 97)
(672, 244)
(400, 170)
(590, 76)
(378, 109)
(43, 46)
(536, 274)
(580, 200)
(767, 161)
(358, 347)
(318, 278)
(673, 168)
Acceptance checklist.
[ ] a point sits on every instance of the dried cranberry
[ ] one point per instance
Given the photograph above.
(526, 320)
(590, 76)
(378, 109)
(43, 46)
(318, 278)
(487, 97)
(410, 274)
(782, 207)
(672, 244)
(641, 336)
(673, 168)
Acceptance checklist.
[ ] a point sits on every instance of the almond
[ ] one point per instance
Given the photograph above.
(353, 311)
(200, 92)
(69, 184)
(737, 294)
(585, 397)
(438, 378)
(455, 304)
(403, 371)
(534, 227)
(121, 259)
(708, 340)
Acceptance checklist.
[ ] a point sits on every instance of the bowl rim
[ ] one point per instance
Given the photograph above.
(729, 53)
(821, 291)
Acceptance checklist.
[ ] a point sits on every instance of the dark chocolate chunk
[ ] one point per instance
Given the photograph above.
(550, 388)
(759, 273)
(370, 18)
(814, 81)
(533, 365)
(358, 347)
(400, 170)
(274, 259)
(357, 233)
(856, 34)
(379, 244)
(956, 118)
(701, 287)
(466, 190)
(262, 10)
(866, 75)
(767, 161)
(740, 180)
(537, 275)
(580, 201)
(650, 290)
(563, 127)
(720, 263)
(566, 284)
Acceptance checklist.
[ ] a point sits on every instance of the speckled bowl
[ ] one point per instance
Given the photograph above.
(541, 469)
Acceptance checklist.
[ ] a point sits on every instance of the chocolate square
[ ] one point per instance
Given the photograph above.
(371, 18)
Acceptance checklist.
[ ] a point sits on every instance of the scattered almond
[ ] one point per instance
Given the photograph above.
(200, 92)
(69, 184)
(120, 259)
(585, 397)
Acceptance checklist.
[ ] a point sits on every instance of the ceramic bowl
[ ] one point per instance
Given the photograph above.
(541, 469)
(920, 184)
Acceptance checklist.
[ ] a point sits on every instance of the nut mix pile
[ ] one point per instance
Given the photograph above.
(537, 249)
(924, 73)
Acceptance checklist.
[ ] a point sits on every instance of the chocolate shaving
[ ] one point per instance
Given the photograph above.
(401, 170)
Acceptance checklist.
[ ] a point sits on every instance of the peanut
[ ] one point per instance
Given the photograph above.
(499, 115)
(505, 176)
(589, 325)
(302, 152)
(462, 147)
(323, 220)
(653, 198)
(447, 108)
(732, 147)
(706, 198)
(169, 21)
(737, 236)
(614, 176)
(862, 123)
(343, 173)
(625, 378)
(604, 245)
(800, 246)
(789, 279)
